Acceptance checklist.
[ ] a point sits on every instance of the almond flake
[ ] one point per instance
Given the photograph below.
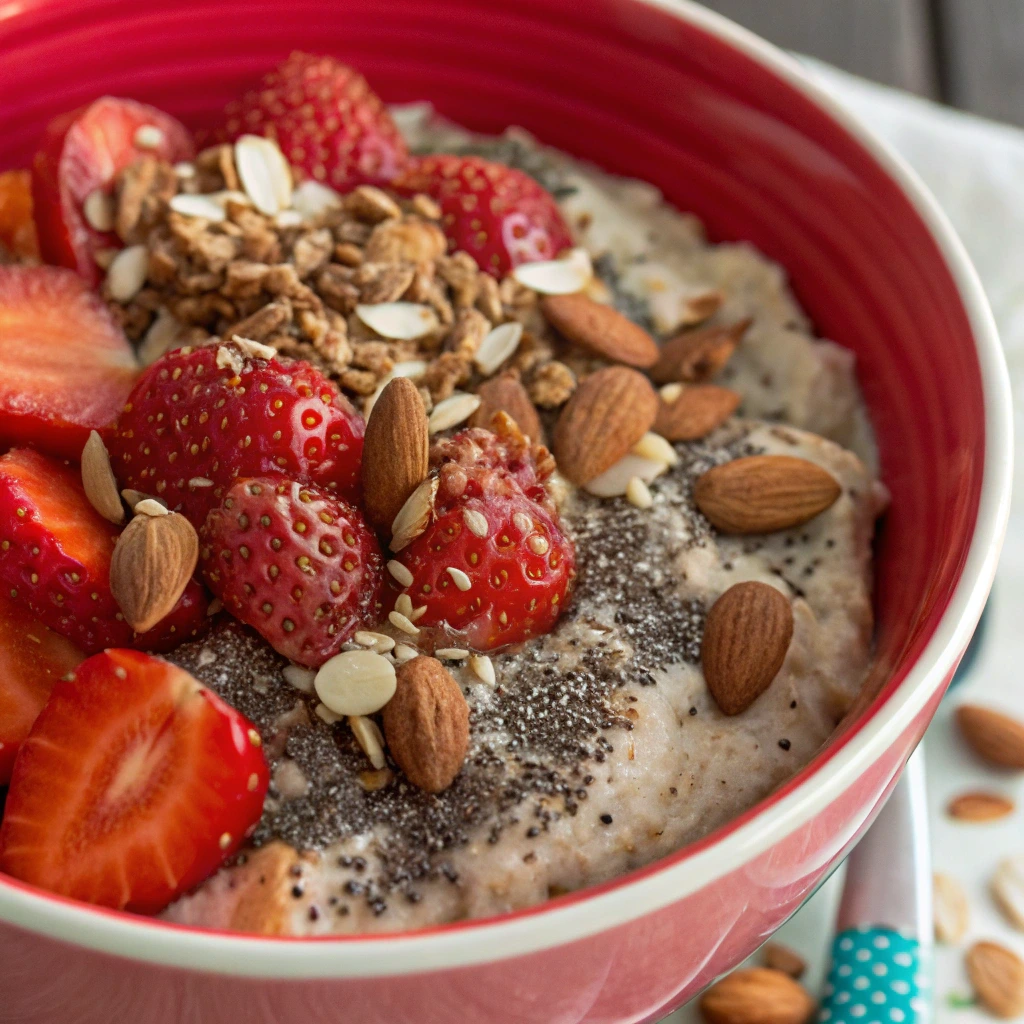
(229, 195)
(1008, 889)
(323, 712)
(127, 273)
(483, 668)
(638, 493)
(400, 572)
(404, 653)
(497, 346)
(99, 210)
(312, 199)
(418, 613)
(98, 480)
(563, 276)
(452, 411)
(254, 349)
(476, 523)
(300, 677)
(656, 448)
(403, 605)
(414, 516)
(355, 682)
(197, 206)
(148, 136)
(452, 653)
(613, 482)
(950, 907)
(461, 580)
(370, 738)
(151, 507)
(288, 219)
(199, 481)
(380, 642)
(398, 321)
(670, 392)
(163, 332)
(264, 173)
(408, 368)
(402, 622)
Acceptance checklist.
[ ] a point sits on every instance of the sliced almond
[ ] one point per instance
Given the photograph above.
(152, 562)
(570, 273)
(764, 493)
(781, 958)
(149, 136)
(414, 516)
(638, 493)
(355, 682)
(99, 210)
(198, 206)
(995, 737)
(312, 199)
(498, 345)
(612, 483)
(1008, 889)
(452, 411)
(505, 393)
(427, 724)
(163, 332)
(695, 411)
(608, 413)
(98, 480)
(264, 173)
(696, 356)
(951, 910)
(483, 668)
(757, 995)
(127, 273)
(369, 737)
(654, 447)
(746, 637)
(601, 330)
(997, 976)
(979, 806)
(300, 677)
(396, 451)
(398, 321)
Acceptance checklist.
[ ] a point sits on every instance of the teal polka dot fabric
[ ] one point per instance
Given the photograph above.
(877, 978)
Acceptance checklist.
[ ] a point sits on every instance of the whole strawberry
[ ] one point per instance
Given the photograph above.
(297, 564)
(495, 569)
(199, 419)
(499, 215)
(326, 119)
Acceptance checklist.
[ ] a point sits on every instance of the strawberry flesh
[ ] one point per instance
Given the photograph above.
(327, 120)
(135, 784)
(65, 367)
(297, 564)
(190, 428)
(82, 152)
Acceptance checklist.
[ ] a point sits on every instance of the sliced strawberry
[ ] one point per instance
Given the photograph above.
(326, 119)
(32, 659)
(497, 214)
(294, 562)
(193, 425)
(82, 152)
(65, 367)
(187, 620)
(519, 571)
(17, 229)
(134, 785)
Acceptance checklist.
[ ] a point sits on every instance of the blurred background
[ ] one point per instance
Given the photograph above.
(967, 53)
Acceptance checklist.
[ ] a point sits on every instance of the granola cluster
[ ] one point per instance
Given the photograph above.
(294, 281)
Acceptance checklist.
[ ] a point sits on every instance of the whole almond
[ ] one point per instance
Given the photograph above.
(995, 737)
(997, 975)
(396, 451)
(505, 393)
(951, 909)
(700, 409)
(764, 493)
(757, 995)
(696, 356)
(152, 562)
(426, 724)
(746, 636)
(602, 330)
(98, 480)
(979, 806)
(608, 413)
(782, 958)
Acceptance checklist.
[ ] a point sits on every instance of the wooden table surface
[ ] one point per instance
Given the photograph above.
(968, 53)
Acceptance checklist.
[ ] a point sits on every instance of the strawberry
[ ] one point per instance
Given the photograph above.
(187, 620)
(519, 571)
(294, 562)
(135, 784)
(327, 120)
(32, 659)
(82, 152)
(497, 214)
(17, 229)
(196, 422)
(65, 366)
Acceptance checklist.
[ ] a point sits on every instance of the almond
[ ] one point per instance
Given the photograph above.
(506, 393)
(602, 330)
(426, 724)
(396, 451)
(1008, 889)
(995, 737)
(756, 995)
(98, 480)
(764, 493)
(997, 975)
(152, 562)
(696, 356)
(979, 806)
(951, 910)
(700, 409)
(782, 958)
(746, 636)
(608, 413)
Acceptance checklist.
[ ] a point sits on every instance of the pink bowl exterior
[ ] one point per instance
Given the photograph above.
(728, 128)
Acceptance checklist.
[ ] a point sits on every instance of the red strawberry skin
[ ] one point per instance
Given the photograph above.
(519, 573)
(297, 564)
(327, 120)
(134, 785)
(497, 214)
(188, 419)
(83, 151)
(32, 659)
(65, 367)
(186, 621)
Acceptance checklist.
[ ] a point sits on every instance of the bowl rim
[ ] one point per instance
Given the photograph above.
(628, 897)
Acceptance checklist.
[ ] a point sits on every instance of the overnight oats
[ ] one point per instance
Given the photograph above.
(398, 525)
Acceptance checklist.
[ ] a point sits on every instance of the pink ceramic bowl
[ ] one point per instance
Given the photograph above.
(731, 129)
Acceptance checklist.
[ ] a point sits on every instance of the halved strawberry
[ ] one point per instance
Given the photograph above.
(32, 659)
(326, 119)
(17, 229)
(134, 785)
(497, 214)
(82, 152)
(65, 367)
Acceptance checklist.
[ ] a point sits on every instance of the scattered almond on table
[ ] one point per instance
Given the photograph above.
(979, 806)
(997, 976)
(757, 995)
